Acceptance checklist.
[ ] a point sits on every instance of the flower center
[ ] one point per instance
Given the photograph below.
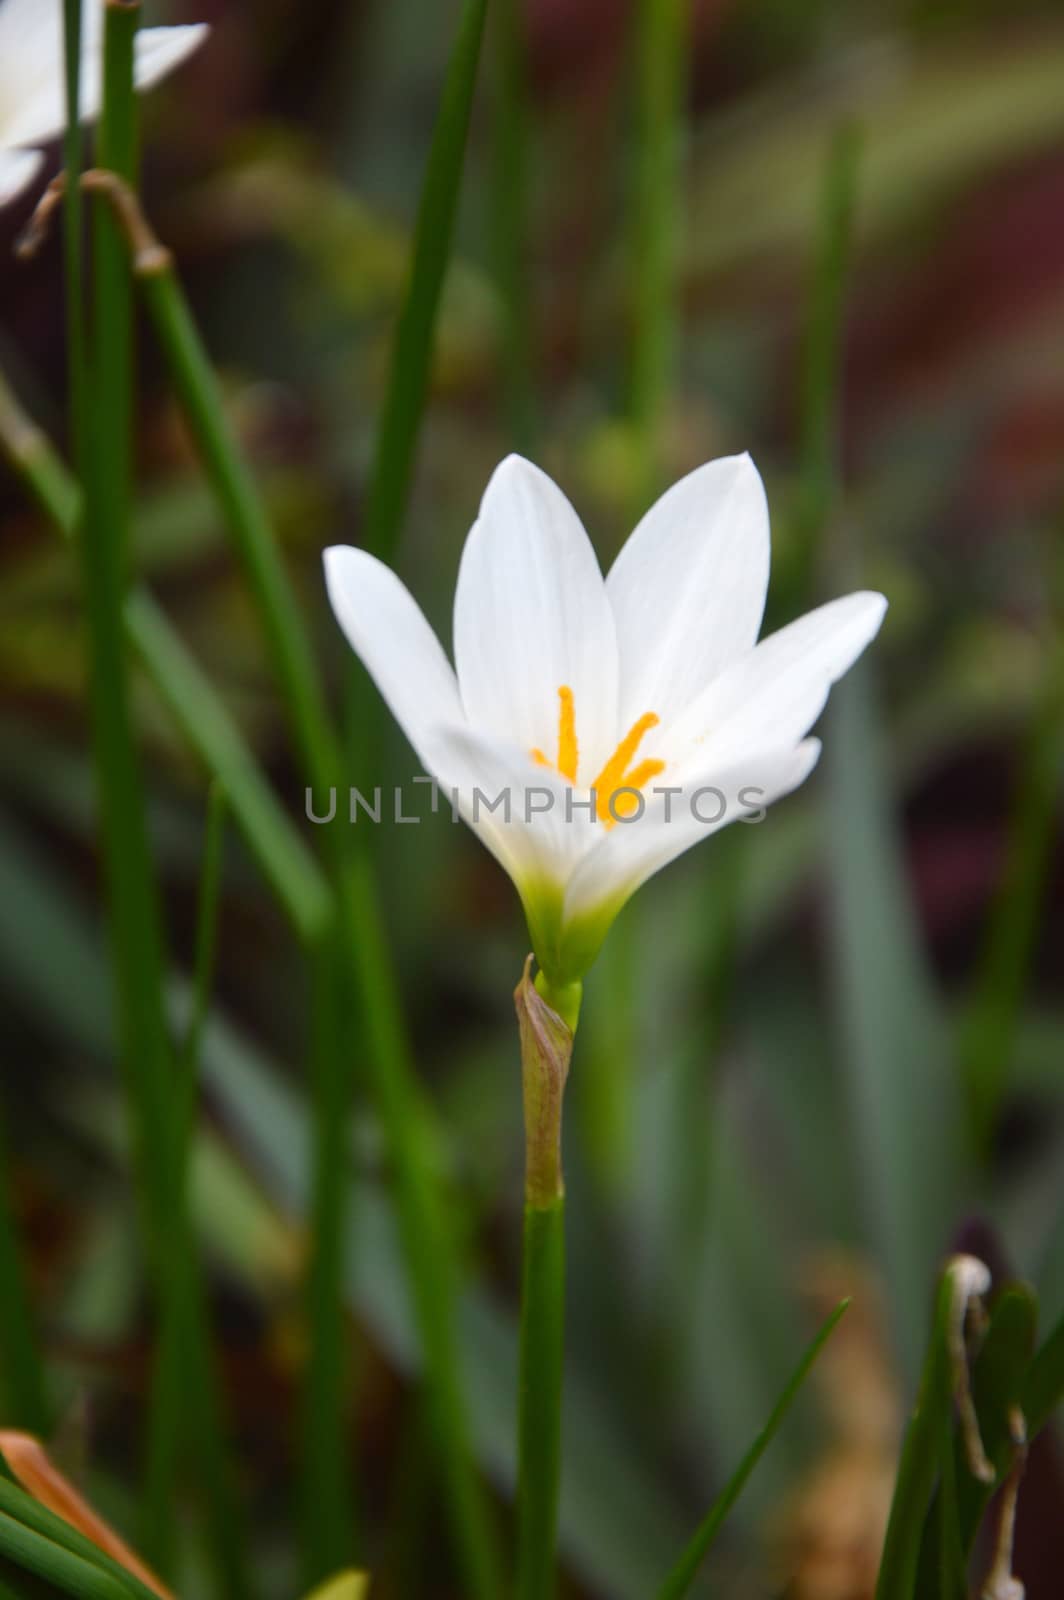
(618, 772)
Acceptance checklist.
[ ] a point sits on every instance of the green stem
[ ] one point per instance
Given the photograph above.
(238, 497)
(659, 62)
(546, 1049)
(70, 1573)
(387, 1057)
(135, 925)
(169, 1400)
(77, 353)
(156, 1096)
(922, 1446)
(411, 359)
(511, 219)
(21, 1509)
(540, 1397)
(428, 1249)
(326, 1471)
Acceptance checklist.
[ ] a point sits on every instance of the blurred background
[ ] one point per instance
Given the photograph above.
(817, 1054)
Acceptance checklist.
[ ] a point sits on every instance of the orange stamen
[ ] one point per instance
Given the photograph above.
(568, 753)
(615, 774)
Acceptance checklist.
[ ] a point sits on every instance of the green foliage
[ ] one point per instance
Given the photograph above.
(686, 256)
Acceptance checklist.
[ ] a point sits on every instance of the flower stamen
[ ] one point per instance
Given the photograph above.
(615, 774)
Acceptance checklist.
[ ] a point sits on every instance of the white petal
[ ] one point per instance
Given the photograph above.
(18, 168)
(389, 633)
(772, 697)
(535, 831)
(688, 588)
(531, 616)
(160, 50)
(632, 851)
(31, 50)
(37, 99)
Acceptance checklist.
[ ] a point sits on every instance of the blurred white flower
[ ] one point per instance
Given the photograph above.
(623, 719)
(32, 93)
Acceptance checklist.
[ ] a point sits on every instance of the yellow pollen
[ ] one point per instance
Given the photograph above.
(615, 774)
(568, 754)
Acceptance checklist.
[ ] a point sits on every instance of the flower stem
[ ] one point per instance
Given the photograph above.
(156, 1096)
(659, 51)
(540, 1394)
(510, 219)
(546, 1048)
(427, 1250)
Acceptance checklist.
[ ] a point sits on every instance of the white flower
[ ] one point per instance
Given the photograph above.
(647, 690)
(32, 93)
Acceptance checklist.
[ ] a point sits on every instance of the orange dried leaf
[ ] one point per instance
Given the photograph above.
(30, 1463)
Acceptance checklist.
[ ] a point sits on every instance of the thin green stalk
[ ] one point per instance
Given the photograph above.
(77, 351)
(193, 378)
(540, 1389)
(239, 499)
(135, 924)
(510, 219)
(293, 873)
(411, 359)
(921, 1450)
(23, 1510)
(287, 865)
(169, 1399)
(326, 1468)
(658, 56)
(205, 952)
(659, 59)
(387, 1056)
(546, 1050)
(25, 1391)
(684, 1573)
(428, 1249)
(156, 1097)
(71, 1574)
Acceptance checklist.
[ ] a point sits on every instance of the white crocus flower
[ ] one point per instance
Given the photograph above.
(32, 92)
(622, 719)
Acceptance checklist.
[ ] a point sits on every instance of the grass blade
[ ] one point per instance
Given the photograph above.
(360, 923)
(511, 219)
(411, 360)
(156, 1097)
(659, 60)
(928, 1433)
(683, 1574)
(326, 1477)
(287, 865)
(70, 1573)
(48, 1534)
(39, 1476)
